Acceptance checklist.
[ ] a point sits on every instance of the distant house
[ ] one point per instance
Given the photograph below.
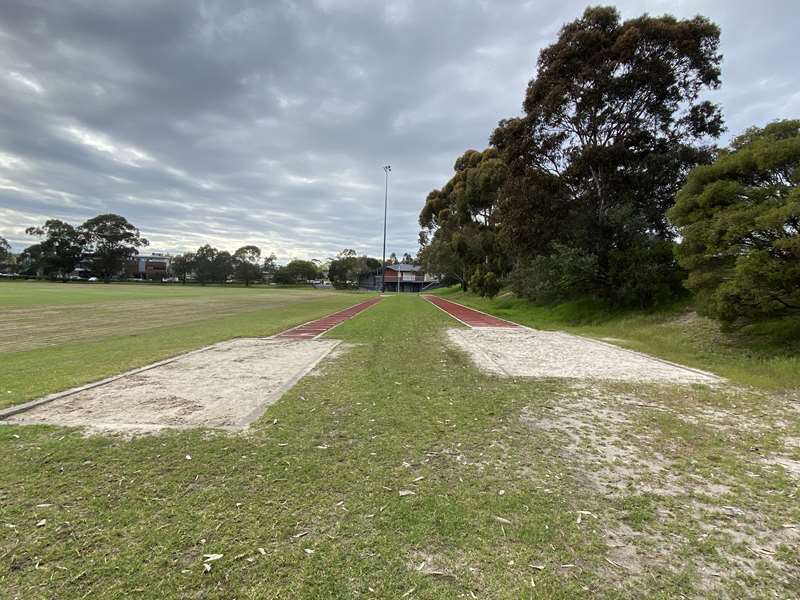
(399, 278)
(149, 266)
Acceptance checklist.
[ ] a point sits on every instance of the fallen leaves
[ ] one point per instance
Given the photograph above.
(211, 557)
(208, 559)
(301, 534)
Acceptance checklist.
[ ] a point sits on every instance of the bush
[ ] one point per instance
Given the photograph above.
(565, 274)
(484, 282)
(644, 274)
(491, 285)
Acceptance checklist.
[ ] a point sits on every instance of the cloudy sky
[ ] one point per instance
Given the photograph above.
(268, 123)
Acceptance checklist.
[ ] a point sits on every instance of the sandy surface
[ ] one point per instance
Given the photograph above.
(226, 385)
(523, 352)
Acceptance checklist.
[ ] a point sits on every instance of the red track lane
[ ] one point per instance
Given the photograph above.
(312, 329)
(471, 317)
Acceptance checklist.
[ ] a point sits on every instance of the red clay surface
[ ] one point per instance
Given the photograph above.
(312, 329)
(468, 316)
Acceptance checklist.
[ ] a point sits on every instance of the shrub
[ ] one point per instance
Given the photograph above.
(564, 274)
(644, 274)
(484, 282)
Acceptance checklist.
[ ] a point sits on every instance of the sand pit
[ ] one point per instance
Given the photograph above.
(227, 385)
(523, 352)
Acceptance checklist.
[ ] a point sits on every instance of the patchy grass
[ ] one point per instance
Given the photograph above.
(766, 355)
(316, 484)
(54, 336)
(398, 469)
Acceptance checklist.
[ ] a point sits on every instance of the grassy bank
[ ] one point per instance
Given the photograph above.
(766, 356)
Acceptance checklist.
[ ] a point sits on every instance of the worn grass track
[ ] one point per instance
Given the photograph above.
(498, 482)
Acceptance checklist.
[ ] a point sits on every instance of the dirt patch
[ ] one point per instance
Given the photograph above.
(654, 510)
(791, 467)
(528, 353)
(226, 385)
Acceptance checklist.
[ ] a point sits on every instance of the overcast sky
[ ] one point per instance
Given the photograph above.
(268, 123)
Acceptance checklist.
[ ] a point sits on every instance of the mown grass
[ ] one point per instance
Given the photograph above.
(31, 294)
(765, 356)
(129, 340)
(308, 504)
(316, 484)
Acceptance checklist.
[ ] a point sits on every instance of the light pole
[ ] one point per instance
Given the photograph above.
(387, 169)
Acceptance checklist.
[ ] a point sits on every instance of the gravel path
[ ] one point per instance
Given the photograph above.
(523, 352)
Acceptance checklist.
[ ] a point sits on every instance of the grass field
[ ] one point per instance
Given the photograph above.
(398, 470)
(766, 356)
(54, 336)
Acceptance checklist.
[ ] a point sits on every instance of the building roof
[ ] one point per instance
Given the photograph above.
(404, 267)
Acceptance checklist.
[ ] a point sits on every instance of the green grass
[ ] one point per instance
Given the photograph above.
(71, 334)
(307, 504)
(135, 517)
(765, 356)
(29, 294)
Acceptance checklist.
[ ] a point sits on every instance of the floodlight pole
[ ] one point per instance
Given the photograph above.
(387, 169)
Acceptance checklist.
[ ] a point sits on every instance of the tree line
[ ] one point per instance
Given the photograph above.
(610, 185)
(107, 243)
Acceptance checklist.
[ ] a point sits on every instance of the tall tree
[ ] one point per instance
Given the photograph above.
(212, 265)
(59, 250)
(113, 242)
(182, 265)
(459, 223)
(345, 270)
(269, 266)
(740, 223)
(5, 249)
(614, 120)
(246, 264)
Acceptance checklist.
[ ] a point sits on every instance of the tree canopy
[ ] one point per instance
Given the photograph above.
(346, 269)
(459, 228)
(212, 265)
(5, 249)
(297, 271)
(112, 240)
(59, 249)
(613, 121)
(246, 265)
(740, 222)
(182, 265)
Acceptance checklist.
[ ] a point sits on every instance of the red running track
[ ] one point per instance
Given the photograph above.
(468, 316)
(312, 329)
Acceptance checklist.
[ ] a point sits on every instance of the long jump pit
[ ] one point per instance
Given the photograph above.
(223, 386)
(508, 349)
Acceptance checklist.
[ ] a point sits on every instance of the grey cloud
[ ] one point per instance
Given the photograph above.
(268, 123)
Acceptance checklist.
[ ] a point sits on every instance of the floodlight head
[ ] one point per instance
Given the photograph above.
(387, 168)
